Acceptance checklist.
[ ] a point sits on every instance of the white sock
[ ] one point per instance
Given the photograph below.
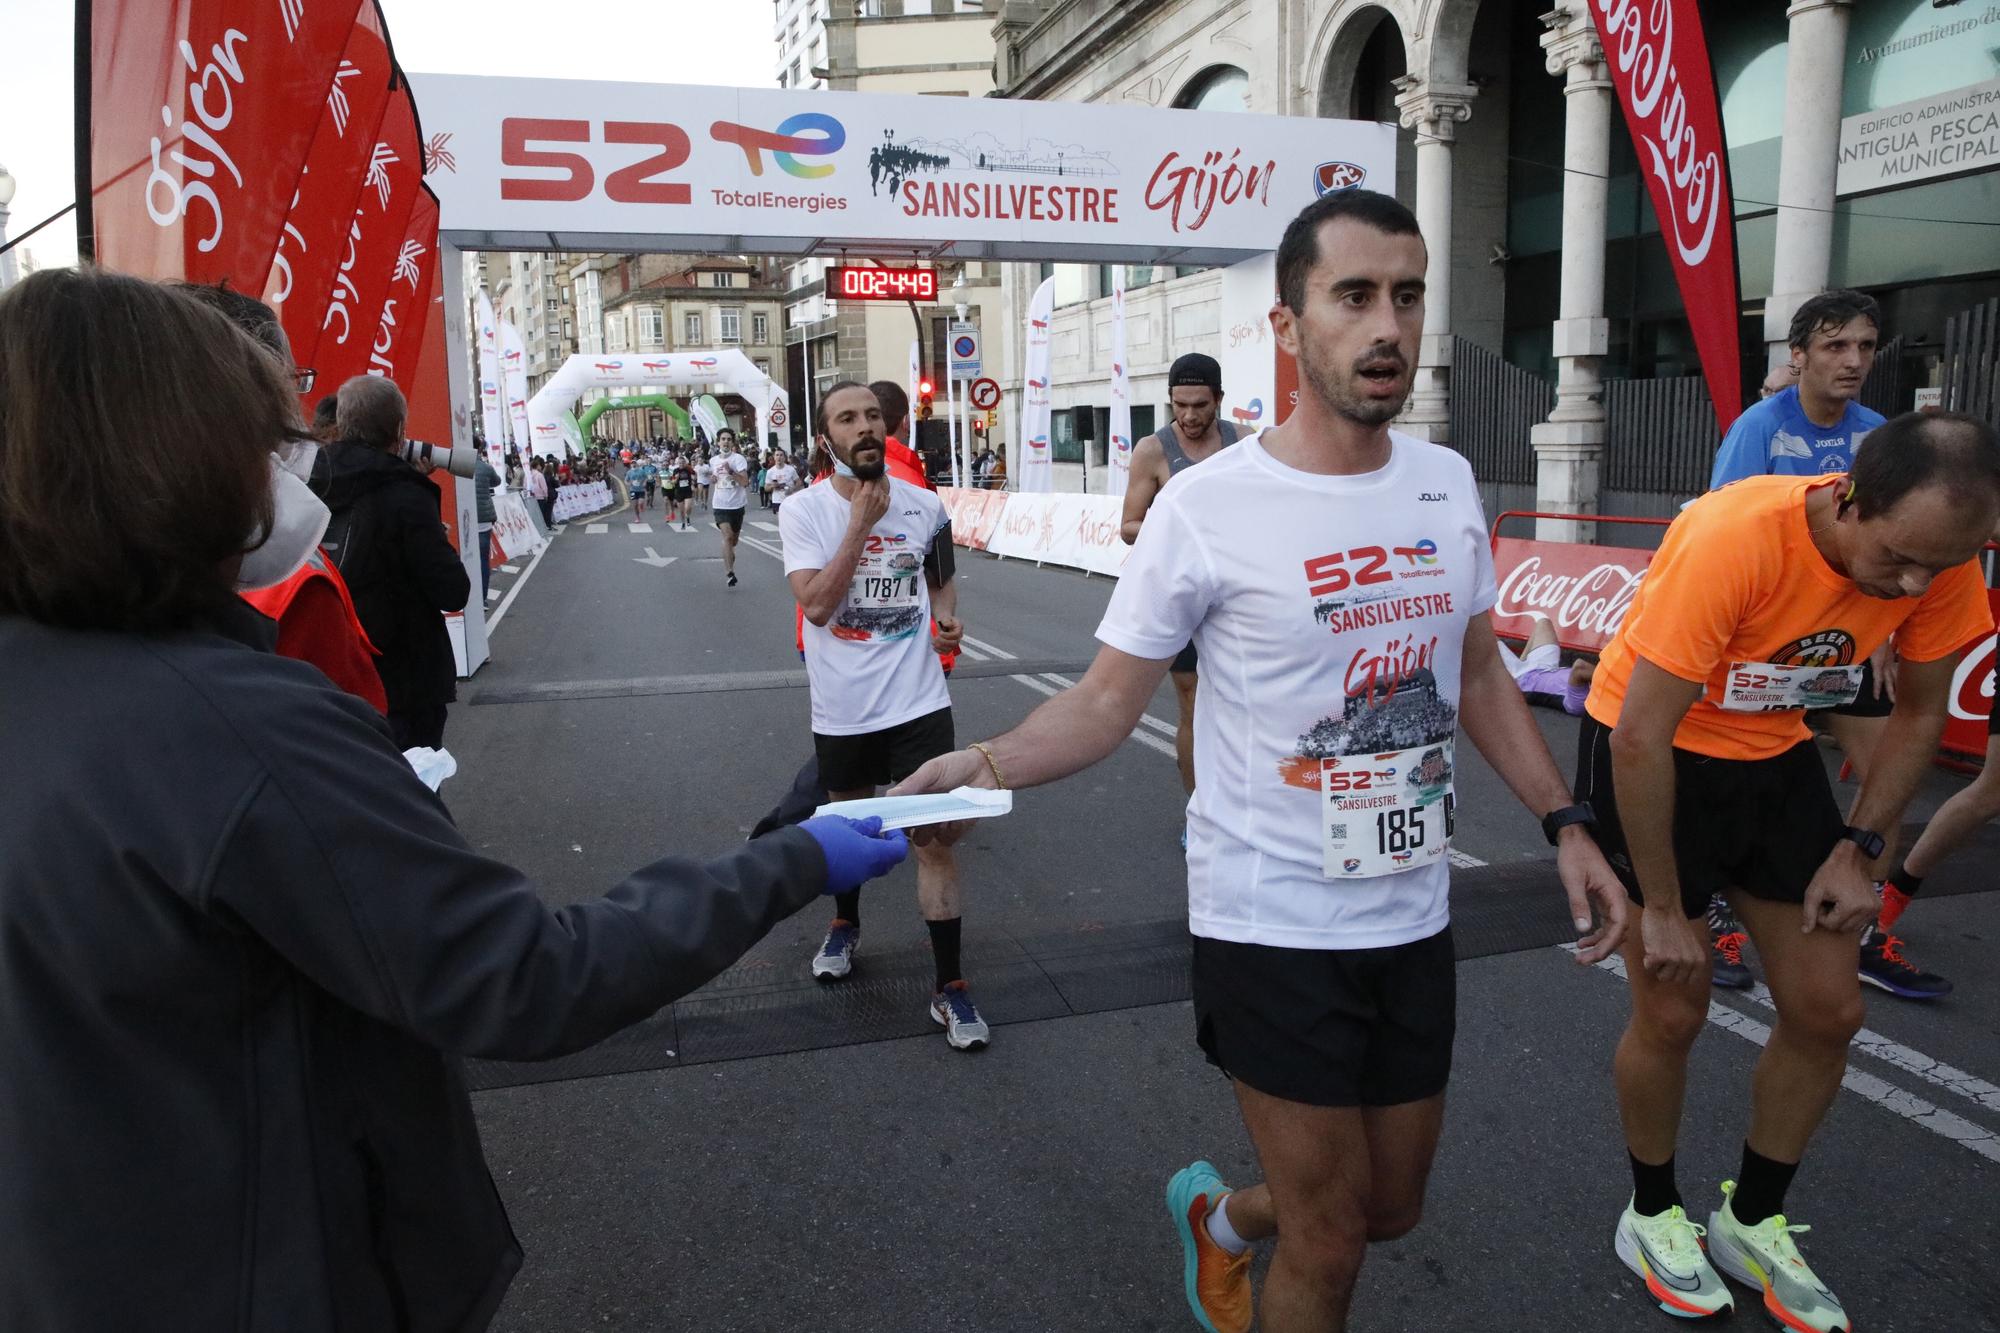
(1222, 1233)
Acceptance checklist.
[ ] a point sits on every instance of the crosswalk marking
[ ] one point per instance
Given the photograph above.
(639, 527)
(760, 523)
(593, 528)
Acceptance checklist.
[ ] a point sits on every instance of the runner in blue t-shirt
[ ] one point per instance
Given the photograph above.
(1809, 428)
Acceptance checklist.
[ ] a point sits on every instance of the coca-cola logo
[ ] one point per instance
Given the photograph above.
(1690, 173)
(1972, 683)
(1197, 187)
(1593, 602)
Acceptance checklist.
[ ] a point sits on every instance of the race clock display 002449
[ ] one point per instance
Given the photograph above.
(845, 282)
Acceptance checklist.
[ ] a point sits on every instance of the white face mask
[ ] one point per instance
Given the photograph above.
(298, 521)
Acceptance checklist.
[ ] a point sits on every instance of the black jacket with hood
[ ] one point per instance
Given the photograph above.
(388, 541)
(241, 945)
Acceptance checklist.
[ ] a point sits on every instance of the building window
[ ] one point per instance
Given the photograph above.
(552, 305)
(569, 329)
(722, 279)
(652, 329)
(691, 328)
(614, 335)
(763, 364)
(760, 328)
(1217, 88)
(729, 324)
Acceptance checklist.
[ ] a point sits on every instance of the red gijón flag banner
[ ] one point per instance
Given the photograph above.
(313, 241)
(406, 309)
(1660, 67)
(199, 116)
(369, 251)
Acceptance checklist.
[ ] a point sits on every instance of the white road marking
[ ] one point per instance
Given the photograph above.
(655, 559)
(510, 569)
(595, 528)
(1042, 686)
(1465, 860)
(638, 527)
(760, 523)
(493, 621)
(1943, 1123)
(1969, 1086)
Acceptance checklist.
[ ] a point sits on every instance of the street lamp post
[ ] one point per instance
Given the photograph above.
(7, 270)
(960, 399)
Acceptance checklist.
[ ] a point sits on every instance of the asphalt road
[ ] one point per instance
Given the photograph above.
(769, 1155)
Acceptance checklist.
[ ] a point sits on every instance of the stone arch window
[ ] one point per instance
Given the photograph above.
(1217, 88)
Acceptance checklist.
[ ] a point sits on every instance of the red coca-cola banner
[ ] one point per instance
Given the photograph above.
(1659, 64)
(407, 307)
(369, 254)
(313, 241)
(1582, 590)
(1972, 691)
(200, 116)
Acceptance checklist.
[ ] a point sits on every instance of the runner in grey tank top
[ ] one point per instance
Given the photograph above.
(1196, 433)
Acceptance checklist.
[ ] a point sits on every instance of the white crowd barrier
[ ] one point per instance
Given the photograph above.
(1050, 528)
(574, 501)
(512, 528)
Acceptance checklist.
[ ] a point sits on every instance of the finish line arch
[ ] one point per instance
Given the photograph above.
(722, 367)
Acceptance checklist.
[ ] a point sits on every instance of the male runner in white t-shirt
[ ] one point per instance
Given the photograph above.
(1336, 577)
(869, 558)
(732, 496)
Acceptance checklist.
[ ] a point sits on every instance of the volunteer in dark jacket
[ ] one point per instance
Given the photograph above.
(484, 479)
(240, 942)
(387, 539)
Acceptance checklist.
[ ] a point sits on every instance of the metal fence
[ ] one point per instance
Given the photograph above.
(1659, 435)
(1493, 407)
(1971, 359)
(1887, 388)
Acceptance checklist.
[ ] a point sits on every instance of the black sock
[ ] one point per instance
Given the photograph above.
(1906, 883)
(1653, 1187)
(1760, 1187)
(847, 906)
(944, 946)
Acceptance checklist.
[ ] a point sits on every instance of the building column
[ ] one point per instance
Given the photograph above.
(1434, 110)
(1815, 61)
(1569, 446)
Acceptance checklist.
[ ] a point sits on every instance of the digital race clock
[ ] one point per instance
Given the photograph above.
(857, 283)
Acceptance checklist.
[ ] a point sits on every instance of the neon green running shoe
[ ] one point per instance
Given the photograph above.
(1665, 1251)
(1765, 1256)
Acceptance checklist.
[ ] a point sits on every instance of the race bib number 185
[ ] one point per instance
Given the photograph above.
(1384, 813)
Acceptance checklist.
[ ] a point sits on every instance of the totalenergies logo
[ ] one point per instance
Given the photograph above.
(808, 134)
(516, 402)
(609, 367)
(546, 428)
(1425, 552)
(1253, 412)
(1038, 442)
(702, 362)
(510, 356)
(657, 365)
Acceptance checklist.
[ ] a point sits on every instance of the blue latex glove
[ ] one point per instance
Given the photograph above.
(857, 850)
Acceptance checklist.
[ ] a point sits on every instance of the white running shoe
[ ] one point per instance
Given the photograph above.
(1766, 1257)
(952, 1009)
(835, 958)
(1665, 1251)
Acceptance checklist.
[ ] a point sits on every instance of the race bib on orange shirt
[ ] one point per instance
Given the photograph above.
(1767, 687)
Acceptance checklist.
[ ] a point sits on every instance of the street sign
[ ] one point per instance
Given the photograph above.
(964, 348)
(985, 394)
(778, 417)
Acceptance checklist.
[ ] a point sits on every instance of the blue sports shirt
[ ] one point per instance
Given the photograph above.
(1776, 438)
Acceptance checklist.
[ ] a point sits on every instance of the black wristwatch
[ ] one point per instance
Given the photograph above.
(1869, 841)
(1555, 821)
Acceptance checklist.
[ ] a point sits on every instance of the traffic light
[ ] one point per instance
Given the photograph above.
(924, 390)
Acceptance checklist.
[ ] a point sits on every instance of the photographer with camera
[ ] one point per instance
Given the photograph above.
(388, 541)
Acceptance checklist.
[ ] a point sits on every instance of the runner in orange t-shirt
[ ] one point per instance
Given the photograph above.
(1764, 600)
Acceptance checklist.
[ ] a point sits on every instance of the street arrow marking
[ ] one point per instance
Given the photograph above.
(655, 559)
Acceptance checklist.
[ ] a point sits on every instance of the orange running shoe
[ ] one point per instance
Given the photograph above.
(1218, 1282)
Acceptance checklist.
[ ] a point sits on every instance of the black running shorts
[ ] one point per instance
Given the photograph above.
(1764, 826)
(1865, 703)
(1329, 1027)
(1185, 660)
(729, 517)
(878, 758)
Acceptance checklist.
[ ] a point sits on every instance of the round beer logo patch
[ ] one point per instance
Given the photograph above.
(1826, 648)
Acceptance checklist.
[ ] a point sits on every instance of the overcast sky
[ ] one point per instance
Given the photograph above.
(726, 42)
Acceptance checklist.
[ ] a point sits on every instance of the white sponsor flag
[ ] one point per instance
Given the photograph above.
(514, 389)
(1032, 470)
(1121, 392)
(489, 384)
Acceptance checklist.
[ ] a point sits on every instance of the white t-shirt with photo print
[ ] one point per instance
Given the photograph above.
(872, 666)
(730, 491)
(1330, 616)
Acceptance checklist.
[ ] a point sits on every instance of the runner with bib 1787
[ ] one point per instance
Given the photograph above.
(1336, 577)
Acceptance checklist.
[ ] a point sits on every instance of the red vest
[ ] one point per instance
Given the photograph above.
(317, 624)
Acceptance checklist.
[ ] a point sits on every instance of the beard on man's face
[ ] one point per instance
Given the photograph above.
(867, 458)
(1370, 392)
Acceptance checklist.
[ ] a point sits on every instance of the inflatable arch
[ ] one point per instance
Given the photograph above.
(551, 429)
(659, 400)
